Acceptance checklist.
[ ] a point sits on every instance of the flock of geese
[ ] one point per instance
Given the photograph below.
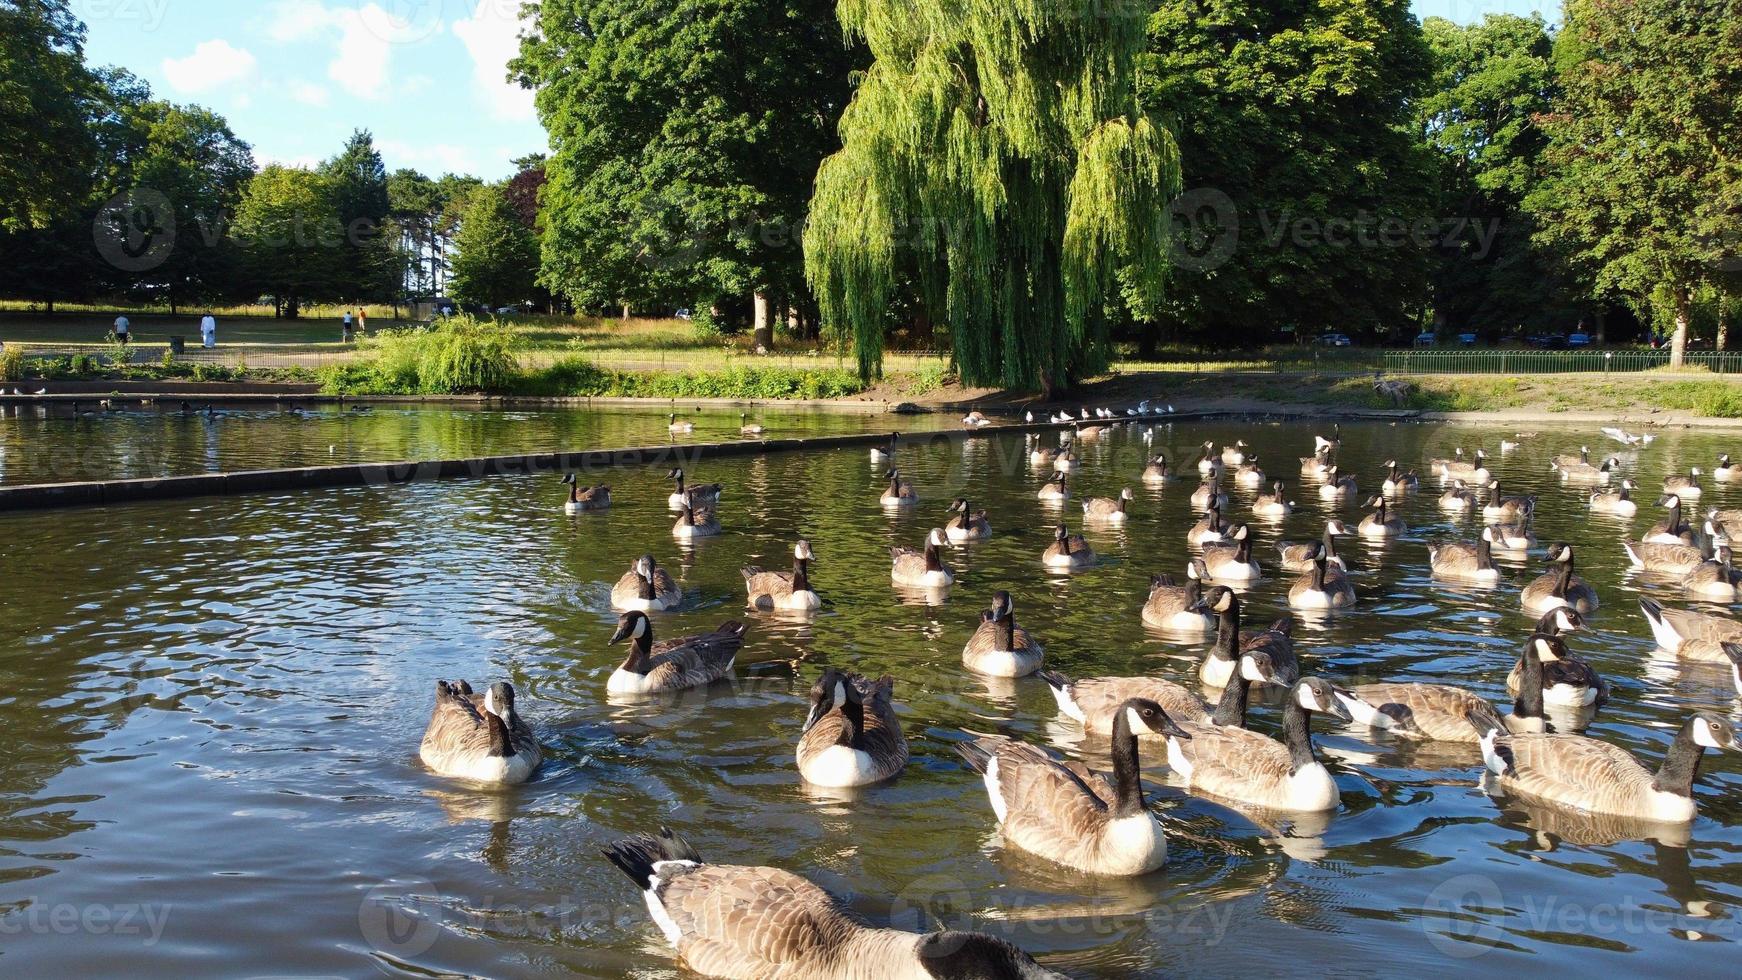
(743, 921)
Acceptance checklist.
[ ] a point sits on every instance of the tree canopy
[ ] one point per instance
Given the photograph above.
(496, 257)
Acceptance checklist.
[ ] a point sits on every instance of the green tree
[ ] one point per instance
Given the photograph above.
(1307, 193)
(358, 179)
(996, 156)
(46, 96)
(1645, 148)
(292, 238)
(496, 254)
(685, 136)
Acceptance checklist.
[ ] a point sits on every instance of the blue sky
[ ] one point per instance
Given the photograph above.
(294, 77)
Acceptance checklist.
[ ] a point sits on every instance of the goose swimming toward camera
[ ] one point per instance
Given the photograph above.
(585, 498)
(851, 737)
(784, 590)
(1618, 502)
(1685, 487)
(1210, 463)
(680, 428)
(921, 569)
(1245, 766)
(1231, 644)
(1171, 606)
(1068, 551)
(1040, 457)
(1210, 528)
(1234, 455)
(1444, 712)
(1397, 481)
(968, 524)
(1673, 529)
(1338, 487)
(748, 428)
(1068, 814)
(743, 922)
(1297, 556)
(1248, 474)
(646, 587)
(706, 495)
(480, 738)
(999, 647)
(1274, 505)
(674, 665)
(1459, 499)
(1054, 490)
(1503, 508)
(1689, 634)
(1231, 560)
(1209, 494)
(1568, 681)
(1156, 471)
(696, 522)
(1469, 563)
(1381, 523)
(1560, 587)
(898, 492)
(1595, 777)
(1066, 461)
(1324, 587)
(1108, 510)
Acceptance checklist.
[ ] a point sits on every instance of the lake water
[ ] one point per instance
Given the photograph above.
(213, 709)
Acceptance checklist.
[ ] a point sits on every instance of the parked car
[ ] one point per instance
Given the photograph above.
(1547, 341)
(684, 314)
(1425, 340)
(1335, 340)
(1578, 340)
(1467, 339)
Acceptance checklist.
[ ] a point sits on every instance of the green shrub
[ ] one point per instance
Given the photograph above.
(458, 356)
(930, 378)
(82, 364)
(1720, 400)
(576, 377)
(12, 363)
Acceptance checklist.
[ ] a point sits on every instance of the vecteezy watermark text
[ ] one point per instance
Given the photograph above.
(145, 920)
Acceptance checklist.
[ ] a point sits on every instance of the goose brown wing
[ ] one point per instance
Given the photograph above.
(697, 659)
(1574, 769)
(1690, 625)
(1234, 762)
(1048, 802)
(750, 922)
(1100, 697)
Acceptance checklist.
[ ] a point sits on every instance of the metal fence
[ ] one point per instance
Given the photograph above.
(224, 355)
(1554, 362)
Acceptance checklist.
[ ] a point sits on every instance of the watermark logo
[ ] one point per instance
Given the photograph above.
(400, 917)
(135, 231)
(147, 12)
(401, 21)
(1206, 226)
(1456, 921)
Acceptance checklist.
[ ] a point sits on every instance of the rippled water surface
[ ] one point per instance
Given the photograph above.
(213, 709)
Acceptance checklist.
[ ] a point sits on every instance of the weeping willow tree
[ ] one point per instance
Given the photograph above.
(996, 163)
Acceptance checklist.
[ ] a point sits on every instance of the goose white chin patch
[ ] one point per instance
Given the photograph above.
(1703, 736)
(1135, 720)
(1309, 699)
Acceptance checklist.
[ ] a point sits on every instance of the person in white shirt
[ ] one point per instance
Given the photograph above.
(123, 329)
(209, 331)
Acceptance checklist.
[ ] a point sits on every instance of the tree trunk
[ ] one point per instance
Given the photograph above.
(1678, 349)
(49, 307)
(625, 311)
(1602, 319)
(764, 323)
(1723, 323)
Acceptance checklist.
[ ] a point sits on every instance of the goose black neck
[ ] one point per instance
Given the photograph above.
(1231, 707)
(801, 580)
(932, 563)
(1675, 517)
(1563, 578)
(1194, 592)
(1681, 765)
(640, 653)
(852, 722)
(1484, 553)
(501, 746)
(1318, 575)
(645, 585)
(1529, 701)
(680, 484)
(963, 519)
(1227, 633)
(575, 492)
(1243, 550)
(1330, 543)
(1297, 734)
(1127, 785)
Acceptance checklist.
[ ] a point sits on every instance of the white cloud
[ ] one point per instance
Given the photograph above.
(362, 38)
(298, 20)
(492, 37)
(214, 65)
(431, 157)
(308, 93)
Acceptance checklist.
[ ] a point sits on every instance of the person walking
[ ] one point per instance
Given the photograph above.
(346, 327)
(209, 331)
(362, 321)
(123, 330)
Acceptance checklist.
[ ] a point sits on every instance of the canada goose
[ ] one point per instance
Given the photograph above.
(680, 428)
(1469, 563)
(1337, 486)
(1179, 607)
(1504, 508)
(1324, 587)
(1248, 474)
(1381, 523)
(1090, 433)
(1210, 528)
(885, 454)
(921, 569)
(1459, 498)
(590, 498)
(784, 590)
(999, 647)
(1673, 529)
(1210, 464)
(1689, 634)
(1562, 462)
(1397, 481)
(1568, 681)
(1560, 587)
(1231, 560)
(1066, 461)
(1068, 814)
(1734, 652)
(1724, 472)
(1315, 466)
(1298, 556)
(1685, 487)
(690, 661)
(968, 524)
(479, 738)
(1156, 471)
(1714, 579)
(1054, 490)
(1727, 521)
(1668, 559)
(696, 522)
(1618, 503)
(1242, 765)
(1231, 644)
(1513, 537)
(735, 921)
(1596, 777)
(1041, 457)
(1108, 510)
(851, 736)
(1458, 468)
(899, 492)
(1209, 494)
(1274, 505)
(747, 428)
(707, 495)
(1095, 701)
(1068, 550)
(1585, 473)
(646, 587)
(1445, 712)
(1234, 455)
(975, 419)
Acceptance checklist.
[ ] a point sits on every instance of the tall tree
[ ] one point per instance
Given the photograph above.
(496, 254)
(46, 150)
(1306, 189)
(685, 136)
(997, 154)
(1645, 147)
(292, 237)
(358, 179)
